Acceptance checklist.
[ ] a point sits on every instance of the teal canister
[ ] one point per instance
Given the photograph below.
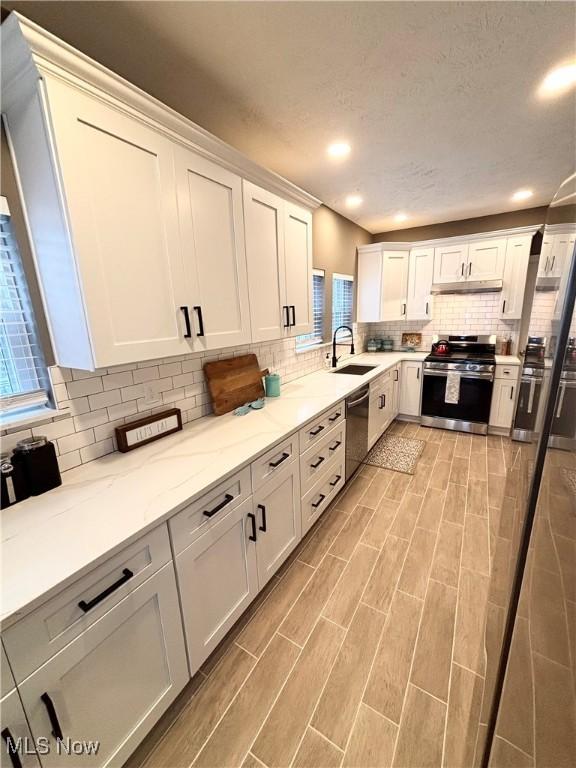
(272, 385)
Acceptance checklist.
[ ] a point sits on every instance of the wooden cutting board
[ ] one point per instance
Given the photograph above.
(233, 382)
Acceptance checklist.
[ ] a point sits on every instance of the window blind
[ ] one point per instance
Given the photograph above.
(317, 335)
(342, 301)
(23, 376)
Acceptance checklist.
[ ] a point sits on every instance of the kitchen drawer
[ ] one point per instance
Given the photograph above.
(6, 678)
(316, 429)
(273, 461)
(314, 462)
(322, 493)
(507, 371)
(193, 520)
(13, 725)
(37, 637)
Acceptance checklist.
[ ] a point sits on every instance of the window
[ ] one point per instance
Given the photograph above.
(317, 335)
(342, 301)
(24, 382)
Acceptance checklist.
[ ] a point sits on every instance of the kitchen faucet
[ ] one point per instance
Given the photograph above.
(341, 343)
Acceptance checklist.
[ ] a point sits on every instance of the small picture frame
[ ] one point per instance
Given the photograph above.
(148, 429)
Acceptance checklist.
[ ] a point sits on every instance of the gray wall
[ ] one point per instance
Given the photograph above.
(523, 218)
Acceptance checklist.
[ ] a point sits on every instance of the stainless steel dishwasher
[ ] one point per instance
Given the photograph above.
(356, 428)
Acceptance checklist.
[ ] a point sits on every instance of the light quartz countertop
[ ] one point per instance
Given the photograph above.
(49, 541)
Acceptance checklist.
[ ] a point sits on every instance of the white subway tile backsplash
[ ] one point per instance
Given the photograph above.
(76, 441)
(170, 369)
(84, 387)
(193, 365)
(132, 393)
(146, 374)
(104, 399)
(55, 429)
(69, 460)
(122, 410)
(117, 380)
(74, 407)
(91, 419)
(107, 430)
(96, 450)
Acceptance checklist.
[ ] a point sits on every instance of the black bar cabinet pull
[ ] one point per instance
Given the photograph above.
(469, 268)
(252, 517)
(11, 748)
(512, 393)
(333, 447)
(54, 722)
(333, 418)
(317, 431)
(320, 500)
(282, 458)
(198, 311)
(286, 311)
(336, 480)
(417, 373)
(396, 377)
(426, 307)
(293, 310)
(211, 512)
(462, 269)
(403, 309)
(188, 333)
(262, 509)
(320, 460)
(87, 606)
(504, 306)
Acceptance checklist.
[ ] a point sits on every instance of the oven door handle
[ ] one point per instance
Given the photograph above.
(462, 374)
(531, 396)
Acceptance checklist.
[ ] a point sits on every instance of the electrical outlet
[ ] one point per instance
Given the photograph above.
(151, 397)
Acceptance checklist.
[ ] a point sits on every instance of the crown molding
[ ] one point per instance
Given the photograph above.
(389, 245)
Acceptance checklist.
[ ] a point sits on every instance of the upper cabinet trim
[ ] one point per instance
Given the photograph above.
(389, 245)
(30, 50)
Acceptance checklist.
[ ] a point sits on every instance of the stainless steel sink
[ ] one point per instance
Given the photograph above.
(355, 370)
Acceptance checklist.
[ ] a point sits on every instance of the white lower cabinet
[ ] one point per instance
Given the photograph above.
(16, 735)
(315, 502)
(411, 388)
(218, 579)
(503, 402)
(112, 683)
(380, 407)
(278, 520)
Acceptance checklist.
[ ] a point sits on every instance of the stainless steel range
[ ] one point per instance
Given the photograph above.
(458, 382)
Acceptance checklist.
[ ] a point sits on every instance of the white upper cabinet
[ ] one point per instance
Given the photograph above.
(264, 222)
(515, 271)
(382, 284)
(545, 255)
(420, 276)
(298, 265)
(212, 232)
(450, 263)
(118, 188)
(486, 259)
(137, 219)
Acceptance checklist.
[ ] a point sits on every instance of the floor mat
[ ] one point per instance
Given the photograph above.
(400, 454)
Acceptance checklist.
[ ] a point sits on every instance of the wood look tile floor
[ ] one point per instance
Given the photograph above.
(367, 647)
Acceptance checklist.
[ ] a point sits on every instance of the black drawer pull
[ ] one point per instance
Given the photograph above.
(333, 447)
(87, 606)
(211, 512)
(336, 480)
(287, 318)
(333, 418)
(320, 460)
(316, 431)
(200, 321)
(282, 458)
(54, 722)
(320, 500)
(252, 517)
(11, 748)
(262, 508)
(188, 333)
(293, 310)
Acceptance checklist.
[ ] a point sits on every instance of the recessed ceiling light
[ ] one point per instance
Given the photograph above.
(400, 217)
(522, 194)
(339, 149)
(558, 80)
(353, 201)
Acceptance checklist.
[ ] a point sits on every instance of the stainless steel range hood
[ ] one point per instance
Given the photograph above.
(468, 286)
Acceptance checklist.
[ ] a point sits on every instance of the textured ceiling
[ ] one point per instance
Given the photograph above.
(438, 100)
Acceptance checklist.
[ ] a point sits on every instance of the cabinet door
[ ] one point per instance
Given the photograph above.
(380, 407)
(396, 391)
(562, 246)
(217, 579)
(450, 263)
(369, 298)
(566, 260)
(420, 275)
(118, 182)
(114, 681)
(410, 389)
(394, 284)
(212, 234)
(15, 734)
(298, 266)
(545, 255)
(486, 259)
(503, 400)
(264, 222)
(279, 525)
(515, 271)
